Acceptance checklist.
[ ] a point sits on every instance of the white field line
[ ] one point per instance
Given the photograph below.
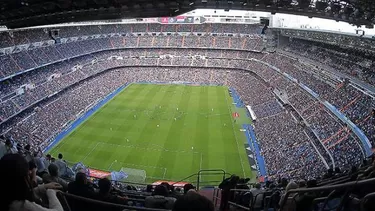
(110, 166)
(200, 164)
(165, 172)
(90, 152)
(235, 135)
(56, 148)
(142, 166)
(149, 148)
(200, 167)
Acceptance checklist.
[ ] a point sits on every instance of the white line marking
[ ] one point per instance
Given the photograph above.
(130, 164)
(90, 152)
(200, 167)
(200, 164)
(235, 135)
(56, 148)
(165, 172)
(110, 166)
(147, 148)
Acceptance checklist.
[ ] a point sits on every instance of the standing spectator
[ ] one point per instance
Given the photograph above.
(27, 154)
(19, 194)
(41, 168)
(46, 160)
(226, 185)
(61, 165)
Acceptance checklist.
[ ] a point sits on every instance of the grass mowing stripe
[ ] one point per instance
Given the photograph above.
(235, 135)
(164, 152)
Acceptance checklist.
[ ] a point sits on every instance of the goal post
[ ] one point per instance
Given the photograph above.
(134, 175)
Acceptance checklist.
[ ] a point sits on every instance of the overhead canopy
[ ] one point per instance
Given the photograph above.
(24, 13)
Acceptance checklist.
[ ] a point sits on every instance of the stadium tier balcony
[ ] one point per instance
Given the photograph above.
(84, 79)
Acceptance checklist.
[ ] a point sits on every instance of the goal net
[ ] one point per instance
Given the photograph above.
(134, 175)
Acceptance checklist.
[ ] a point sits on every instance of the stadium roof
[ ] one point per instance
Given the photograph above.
(24, 13)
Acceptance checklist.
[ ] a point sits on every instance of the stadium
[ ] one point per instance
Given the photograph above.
(203, 105)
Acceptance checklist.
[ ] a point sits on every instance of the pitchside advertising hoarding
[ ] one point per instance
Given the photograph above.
(180, 20)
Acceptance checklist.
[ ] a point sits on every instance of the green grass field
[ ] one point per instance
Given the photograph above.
(196, 131)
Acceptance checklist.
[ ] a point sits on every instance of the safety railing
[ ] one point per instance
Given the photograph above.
(210, 172)
(346, 187)
(244, 199)
(238, 204)
(216, 196)
(72, 202)
(193, 179)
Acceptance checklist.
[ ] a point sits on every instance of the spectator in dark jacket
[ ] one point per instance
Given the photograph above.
(104, 194)
(226, 185)
(159, 199)
(188, 187)
(81, 187)
(192, 201)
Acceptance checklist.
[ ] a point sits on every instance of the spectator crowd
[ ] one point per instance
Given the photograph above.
(33, 185)
(96, 67)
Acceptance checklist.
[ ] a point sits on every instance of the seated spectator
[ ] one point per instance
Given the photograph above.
(175, 192)
(104, 194)
(34, 179)
(188, 187)
(149, 188)
(192, 201)
(289, 204)
(159, 199)
(242, 183)
(53, 176)
(19, 194)
(257, 195)
(368, 173)
(81, 187)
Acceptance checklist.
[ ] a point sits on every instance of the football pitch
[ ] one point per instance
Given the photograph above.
(167, 131)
